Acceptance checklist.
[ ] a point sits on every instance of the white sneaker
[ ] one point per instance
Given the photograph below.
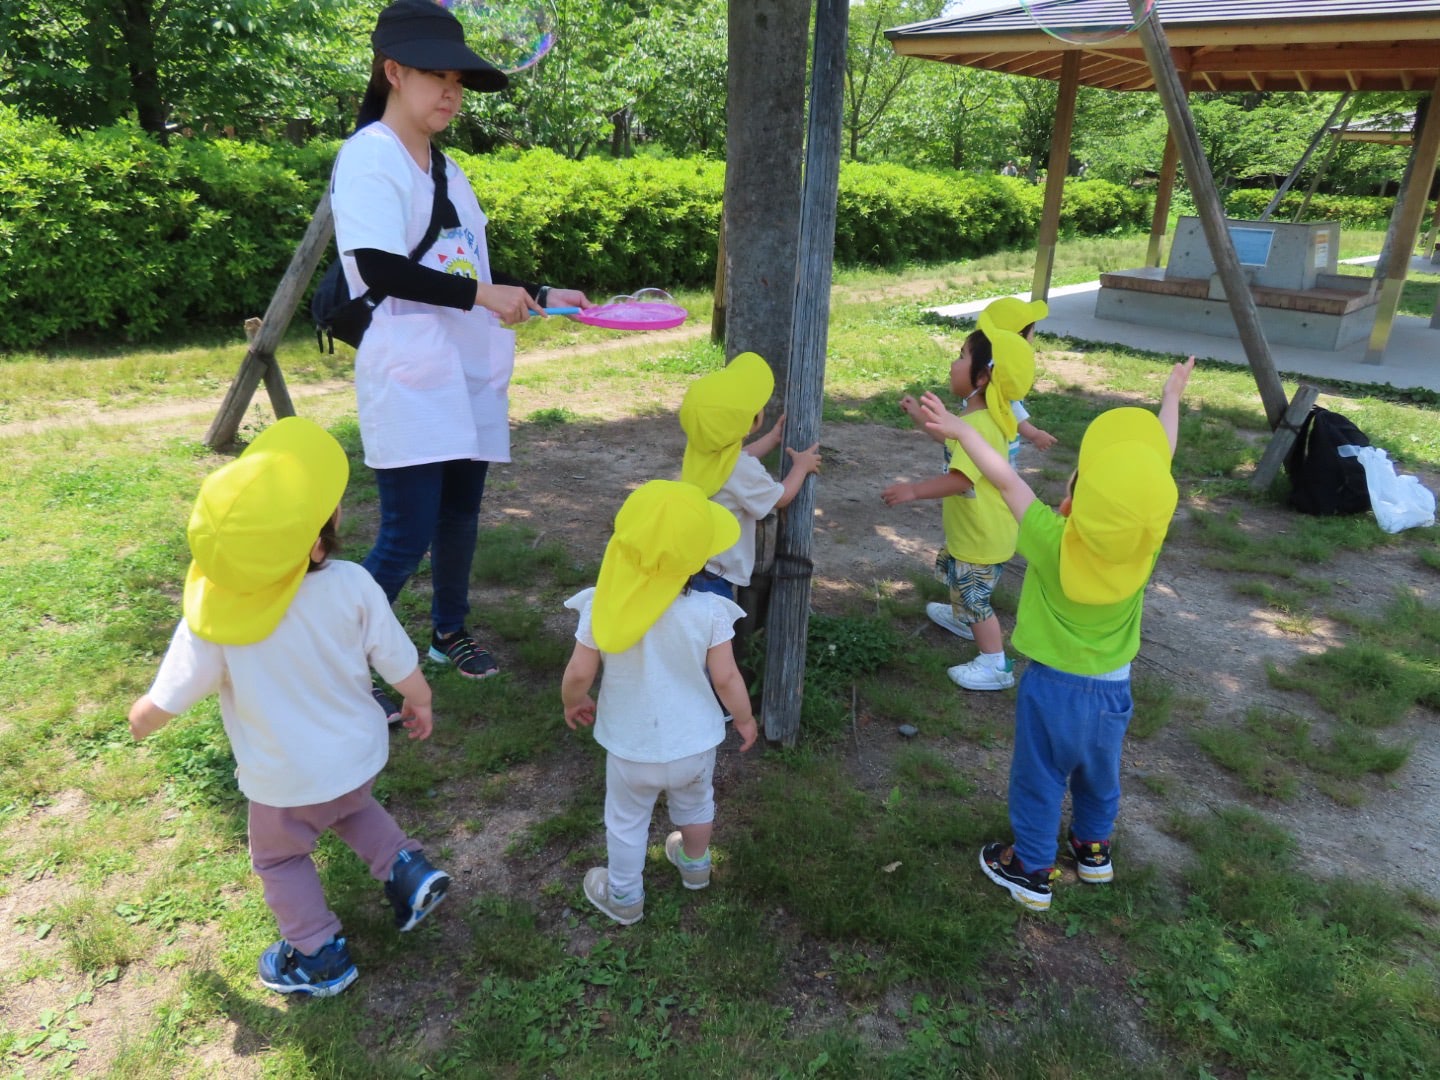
(979, 674)
(943, 616)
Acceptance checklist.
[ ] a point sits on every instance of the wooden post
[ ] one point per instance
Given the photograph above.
(1164, 192)
(1211, 213)
(259, 362)
(787, 623)
(1406, 227)
(1284, 437)
(1055, 175)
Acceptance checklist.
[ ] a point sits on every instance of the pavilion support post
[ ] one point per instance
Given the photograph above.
(1164, 192)
(1212, 214)
(1055, 175)
(787, 622)
(1406, 227)
(260, 362)
(1429, 248)
(1402, 194)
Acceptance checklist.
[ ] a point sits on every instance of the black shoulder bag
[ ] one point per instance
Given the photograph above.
(339, 315)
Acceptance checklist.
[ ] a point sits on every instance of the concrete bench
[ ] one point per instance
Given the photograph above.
(1330, 316)
(1318, 301)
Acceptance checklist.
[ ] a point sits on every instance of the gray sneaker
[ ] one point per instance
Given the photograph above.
(597, 891)
(694, 877)
(943, 616)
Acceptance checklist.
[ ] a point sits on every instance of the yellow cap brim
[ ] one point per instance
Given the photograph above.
(227, 617)
(1013, 314)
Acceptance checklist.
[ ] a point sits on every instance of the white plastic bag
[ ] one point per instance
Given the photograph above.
(1399, 502)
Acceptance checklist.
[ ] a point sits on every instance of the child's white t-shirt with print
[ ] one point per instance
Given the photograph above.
(655, 702)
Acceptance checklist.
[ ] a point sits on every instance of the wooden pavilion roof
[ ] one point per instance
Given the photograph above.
(1304, 45)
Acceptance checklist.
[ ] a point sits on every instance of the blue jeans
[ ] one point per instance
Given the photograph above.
(712, 583)
(435, 508)
(1069, 729)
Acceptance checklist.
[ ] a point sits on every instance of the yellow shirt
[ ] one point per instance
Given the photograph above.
(979, 527)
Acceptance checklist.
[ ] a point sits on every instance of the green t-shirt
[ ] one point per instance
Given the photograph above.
(1081, 639)
(979, 527)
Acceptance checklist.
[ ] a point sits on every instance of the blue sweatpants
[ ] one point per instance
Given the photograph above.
(1069, 730)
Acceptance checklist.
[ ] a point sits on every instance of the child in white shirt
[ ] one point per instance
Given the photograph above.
(657, 716)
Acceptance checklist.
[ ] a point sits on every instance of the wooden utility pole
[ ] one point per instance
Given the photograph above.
(1211, 213)
(788, 621)
(1405, 225)
(1055, 175)
(260, 362)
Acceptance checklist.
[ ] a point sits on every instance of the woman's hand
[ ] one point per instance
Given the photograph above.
(510, 302)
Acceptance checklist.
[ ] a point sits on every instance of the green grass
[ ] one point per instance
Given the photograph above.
(848, 932)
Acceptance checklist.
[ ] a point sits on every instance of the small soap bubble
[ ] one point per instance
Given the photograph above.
(512, 36)
(1088, 22)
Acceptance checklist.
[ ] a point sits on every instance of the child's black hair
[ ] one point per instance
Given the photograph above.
(329, 541)
(982, 355)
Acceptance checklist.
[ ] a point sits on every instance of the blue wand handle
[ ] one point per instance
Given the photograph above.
(562, 311)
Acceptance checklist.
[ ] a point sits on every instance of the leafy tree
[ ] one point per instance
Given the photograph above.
(947, 116)
(874, 74)
(678, 71)
(87, 63)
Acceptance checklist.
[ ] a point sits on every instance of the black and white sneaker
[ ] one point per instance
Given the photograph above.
(1031, 888)
(1092, 860)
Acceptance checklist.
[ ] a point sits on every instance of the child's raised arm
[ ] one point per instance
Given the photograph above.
(1170, 400)
(992, 466)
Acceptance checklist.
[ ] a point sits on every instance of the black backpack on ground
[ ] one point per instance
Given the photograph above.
(339, 315)
(1323, 481)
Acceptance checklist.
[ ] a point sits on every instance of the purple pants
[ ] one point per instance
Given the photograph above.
(282, 839)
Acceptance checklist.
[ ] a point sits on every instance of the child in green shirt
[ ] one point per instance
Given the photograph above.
(1079, 623)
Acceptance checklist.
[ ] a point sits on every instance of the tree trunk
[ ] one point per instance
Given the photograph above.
(764, 135)
(144, 75)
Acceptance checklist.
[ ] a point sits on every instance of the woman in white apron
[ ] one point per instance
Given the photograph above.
(432, 373)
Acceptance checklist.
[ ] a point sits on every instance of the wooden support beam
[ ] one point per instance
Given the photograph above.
(1406, 226)
(1212, 215)
(787, 623)
(1284, 437)
(1165, 189)
(259, 362)
(1055, 176)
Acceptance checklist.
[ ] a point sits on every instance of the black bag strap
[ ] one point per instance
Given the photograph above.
(432, 230)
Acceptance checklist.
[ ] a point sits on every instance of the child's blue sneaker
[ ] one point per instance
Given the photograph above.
(414, 888)
(324, 973)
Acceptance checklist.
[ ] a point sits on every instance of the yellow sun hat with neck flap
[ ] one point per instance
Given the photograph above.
(716, 414)
(254, 524)
(666, 531)
(1013, 314)
(1012, 373)
(1120, 512)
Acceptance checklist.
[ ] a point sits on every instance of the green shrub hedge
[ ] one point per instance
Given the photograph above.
(1351, 211)
(109, 235)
